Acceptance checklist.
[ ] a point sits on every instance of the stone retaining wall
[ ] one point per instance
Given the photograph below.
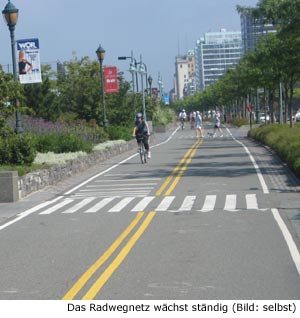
(40, 179)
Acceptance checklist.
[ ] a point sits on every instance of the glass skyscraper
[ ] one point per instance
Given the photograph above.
(215, 53)
(252, 30)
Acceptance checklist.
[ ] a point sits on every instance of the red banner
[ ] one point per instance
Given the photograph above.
(110, 79)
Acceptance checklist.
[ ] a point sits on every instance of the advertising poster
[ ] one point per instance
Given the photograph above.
(29, 64)
(111, 79)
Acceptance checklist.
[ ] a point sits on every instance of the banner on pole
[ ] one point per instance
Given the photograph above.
(29, 61)
(110, 79)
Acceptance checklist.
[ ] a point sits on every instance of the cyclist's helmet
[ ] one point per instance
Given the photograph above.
(139, 115)
(183, 110)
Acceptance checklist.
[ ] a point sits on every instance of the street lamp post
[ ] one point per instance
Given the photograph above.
(142, 71)
(150, 80)
(10, 14)
(101, 54)
(132, 70)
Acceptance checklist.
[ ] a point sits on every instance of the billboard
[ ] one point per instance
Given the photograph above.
(29, 61)
(110, 79)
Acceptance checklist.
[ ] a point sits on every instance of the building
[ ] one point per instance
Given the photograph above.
(253, 29)
(215, 53)
(185, 74)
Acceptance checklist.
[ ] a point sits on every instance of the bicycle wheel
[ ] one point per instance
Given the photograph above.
(141, 152)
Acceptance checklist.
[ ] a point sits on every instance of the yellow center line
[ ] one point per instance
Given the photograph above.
(181, 172)
(90, 272)
(182, 161)
(94, 290)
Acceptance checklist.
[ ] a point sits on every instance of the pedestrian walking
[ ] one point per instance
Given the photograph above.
(217, 123)
(198, 125)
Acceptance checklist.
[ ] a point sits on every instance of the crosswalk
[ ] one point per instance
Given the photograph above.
(117, 204)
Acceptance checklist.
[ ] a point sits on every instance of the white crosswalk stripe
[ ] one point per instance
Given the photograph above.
(187, 204)
(117, 204)
(79, 205)
(57, 206)
(165, 203)
(97, 207)
(142, 205)
(230, 203)
(121, 205)
(209, 203)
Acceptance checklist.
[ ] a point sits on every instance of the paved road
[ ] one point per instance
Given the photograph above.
(216, 218)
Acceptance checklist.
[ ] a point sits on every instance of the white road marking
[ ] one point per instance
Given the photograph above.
(141, 206)
(57, 206)
(209, 203)
(258, 172)
(79, 205)
(165, 203)
(288, 238)
(187, 204)
(121, 205)
(28, 212)
(230, 203)
(97, 207)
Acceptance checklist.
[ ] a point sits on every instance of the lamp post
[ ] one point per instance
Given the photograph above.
(142, 71)
(101, 54)
(150, 80)
(132, 69)
(10, 14)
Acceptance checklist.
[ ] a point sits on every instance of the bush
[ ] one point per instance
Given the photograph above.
(163, 116)
(17, 150)
(61, 143)
(120, 132)
(285, 141)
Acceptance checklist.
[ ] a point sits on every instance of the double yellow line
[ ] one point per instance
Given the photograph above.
(140, 223)
(179, 170)
(110, 269)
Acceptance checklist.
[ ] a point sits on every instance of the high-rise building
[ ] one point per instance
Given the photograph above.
(253, 29)
(185, 73)
(215, 53)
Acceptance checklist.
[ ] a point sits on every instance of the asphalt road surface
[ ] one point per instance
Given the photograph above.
(211, 218)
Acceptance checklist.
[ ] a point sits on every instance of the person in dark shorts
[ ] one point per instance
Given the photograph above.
(141, 129)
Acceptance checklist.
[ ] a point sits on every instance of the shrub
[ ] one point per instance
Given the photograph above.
(163, 116)
(61, 143)
(120, 132)
(17, 150)
(284, 140)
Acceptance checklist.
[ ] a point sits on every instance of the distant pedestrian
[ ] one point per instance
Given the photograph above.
(193, 119)
(217, 123)
(198, 125)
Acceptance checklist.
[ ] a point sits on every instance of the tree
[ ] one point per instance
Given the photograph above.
(42, 97)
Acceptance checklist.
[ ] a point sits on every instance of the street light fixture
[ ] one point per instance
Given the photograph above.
(150, 80)
(101, 54)
(142, 71)
(10, 14)
(132, 69)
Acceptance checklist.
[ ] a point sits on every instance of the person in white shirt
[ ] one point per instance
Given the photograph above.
(182, 118)
(198, 125)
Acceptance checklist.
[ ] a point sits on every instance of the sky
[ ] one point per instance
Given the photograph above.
(156, 29)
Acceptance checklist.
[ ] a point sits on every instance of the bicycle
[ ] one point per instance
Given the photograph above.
(182, 123)
(141, 148)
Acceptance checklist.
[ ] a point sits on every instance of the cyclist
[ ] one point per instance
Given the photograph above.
(182, 117)
(141, 131)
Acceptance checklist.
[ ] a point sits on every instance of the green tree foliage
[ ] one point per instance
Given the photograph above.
(42, 98)
(10, 91)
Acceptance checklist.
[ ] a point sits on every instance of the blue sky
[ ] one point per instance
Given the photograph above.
(157, 29)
